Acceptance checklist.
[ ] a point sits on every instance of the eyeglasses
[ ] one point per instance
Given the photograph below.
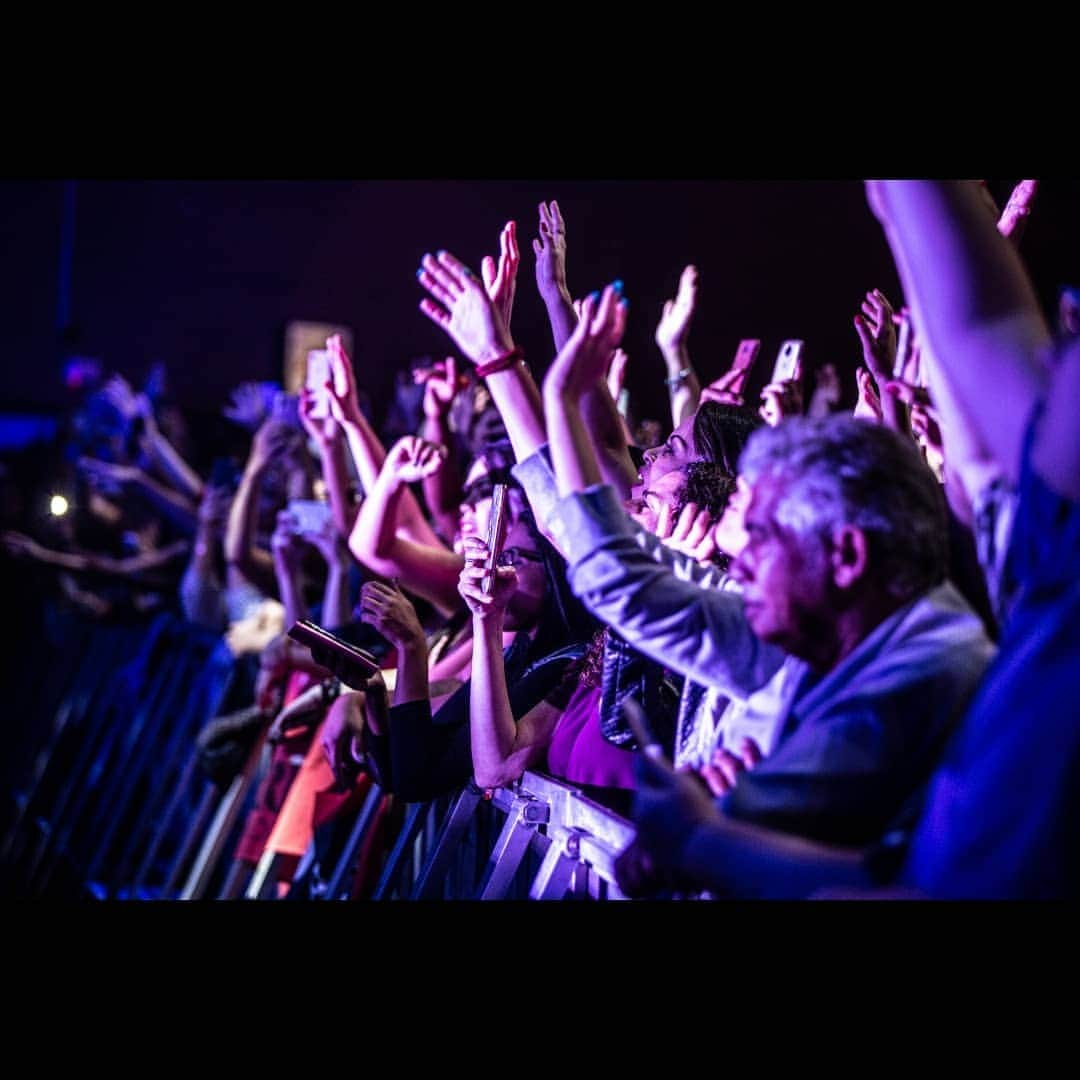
(513, 556)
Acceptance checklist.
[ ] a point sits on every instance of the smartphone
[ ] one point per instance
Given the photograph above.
(316, 378)
(495, 536)
(788, 361)
(903, 345)
(746, 354)
(311, 515)
(357, 662)
(647, 742)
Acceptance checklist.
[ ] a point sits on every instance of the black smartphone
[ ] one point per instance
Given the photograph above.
(647, 742)
(495, 536)
(355, 661)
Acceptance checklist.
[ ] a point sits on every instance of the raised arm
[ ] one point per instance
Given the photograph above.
(391, 612)
(672, 332)
(329, 436)
(550, 251)
(502, 747)
(973, 305)
(288, 552)
(429, 570)
(366, 447)
(877, 336)
(130, 479)
(442, 488)
(136, 408)
(241, 553)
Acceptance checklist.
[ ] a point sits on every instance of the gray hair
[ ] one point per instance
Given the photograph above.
(841, 471)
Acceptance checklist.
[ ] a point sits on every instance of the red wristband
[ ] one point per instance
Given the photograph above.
(500, 363)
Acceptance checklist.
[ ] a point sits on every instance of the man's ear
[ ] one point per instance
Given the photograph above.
(850, 556)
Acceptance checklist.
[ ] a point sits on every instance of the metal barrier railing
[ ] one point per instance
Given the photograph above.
(571, 840)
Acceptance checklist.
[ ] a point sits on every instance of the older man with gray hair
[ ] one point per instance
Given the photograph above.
(844, 603)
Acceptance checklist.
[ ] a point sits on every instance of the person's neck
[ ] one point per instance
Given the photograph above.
(830, 646)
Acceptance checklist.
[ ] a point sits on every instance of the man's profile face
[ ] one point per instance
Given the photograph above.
(784, 576)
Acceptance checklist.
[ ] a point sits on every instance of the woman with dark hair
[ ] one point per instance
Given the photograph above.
(421, 753)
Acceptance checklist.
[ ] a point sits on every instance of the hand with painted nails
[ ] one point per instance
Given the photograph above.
(460, 305)
(583, 361)
(501, 280)
(877, 334)
(550, 251)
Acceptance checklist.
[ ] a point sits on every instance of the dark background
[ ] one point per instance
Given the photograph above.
(205, 274)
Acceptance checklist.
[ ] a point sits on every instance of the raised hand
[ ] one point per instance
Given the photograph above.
(119, 394)
(19, 545)
(868, 407)
(471, 581)
(391, 612)
(271, 440)
(826, 395)
(780, 400)
(550, 251)
(330, 544)
(925, 422)
(460, 305)
(584, 359)
(106, 476)
(324, 431)
(501, 280)
(341, 386)
(412, 459)
(674, 325)
(442, 383)
(1017, 210)
(723, 390)
(249, 404)
(213, 510)
(877, 334)
(285, 543)
(616, 374)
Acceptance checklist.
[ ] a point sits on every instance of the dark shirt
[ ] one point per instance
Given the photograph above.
(1001, 814)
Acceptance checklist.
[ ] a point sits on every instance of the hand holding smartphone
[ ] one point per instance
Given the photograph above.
(495, 536)
(353, 665)
(788, 364)
(316, 378)
(311, 515)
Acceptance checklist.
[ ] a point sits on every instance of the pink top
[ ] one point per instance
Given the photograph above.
(580, 754)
